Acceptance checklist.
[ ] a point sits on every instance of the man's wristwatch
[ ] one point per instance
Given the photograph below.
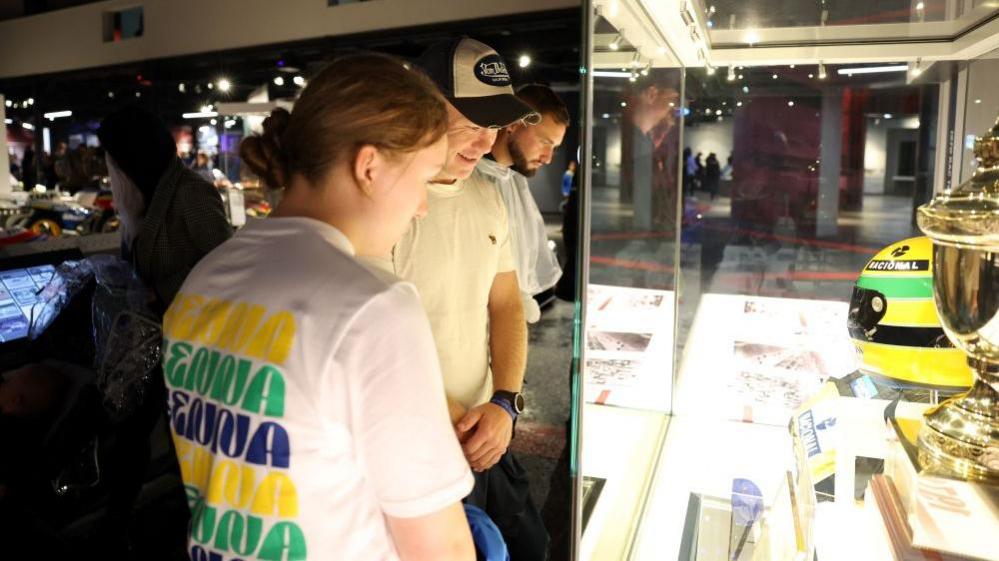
(511, 402)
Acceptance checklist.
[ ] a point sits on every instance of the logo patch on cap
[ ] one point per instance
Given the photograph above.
(491, 70)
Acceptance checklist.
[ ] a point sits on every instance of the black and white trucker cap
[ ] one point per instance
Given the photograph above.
(474, 78)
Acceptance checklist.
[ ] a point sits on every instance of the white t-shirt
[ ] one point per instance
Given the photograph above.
(537, 268)
(452, 256)
(305, 399)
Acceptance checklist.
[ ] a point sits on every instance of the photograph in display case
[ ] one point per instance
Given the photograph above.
(617, 341)
(614, 373)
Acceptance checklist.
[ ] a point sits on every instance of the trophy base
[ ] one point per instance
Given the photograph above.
(960, 438)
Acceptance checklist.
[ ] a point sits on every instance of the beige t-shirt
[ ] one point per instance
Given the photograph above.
(452, 256)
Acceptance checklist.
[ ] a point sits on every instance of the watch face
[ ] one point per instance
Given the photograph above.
(518, 403)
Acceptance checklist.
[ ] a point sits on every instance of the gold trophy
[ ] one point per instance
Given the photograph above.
(960, 437)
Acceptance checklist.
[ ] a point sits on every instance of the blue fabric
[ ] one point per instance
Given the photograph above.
(489, 544)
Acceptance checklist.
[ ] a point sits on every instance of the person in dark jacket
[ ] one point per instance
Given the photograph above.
(170, 216)
(712, 174)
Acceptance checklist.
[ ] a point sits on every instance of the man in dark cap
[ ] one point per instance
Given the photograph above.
(459, 258)
(170, 216)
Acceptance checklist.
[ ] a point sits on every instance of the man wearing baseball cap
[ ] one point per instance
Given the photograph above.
(460, 260)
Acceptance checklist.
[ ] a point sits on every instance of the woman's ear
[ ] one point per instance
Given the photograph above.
(367, 166)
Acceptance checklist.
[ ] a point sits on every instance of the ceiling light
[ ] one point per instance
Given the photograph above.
(110, 95)
(200, 115)
(610, 74)
(138, 94)
(792, 66)
(214, 122)
(810, 76)
(774, 76)
(718, 112)
(278, 81)
(872, 69)
(738, 104)
(920, 5)
(606, 115)
(887, 115)
(224, 85)
(524, 61)
(745, 89)
(57, 114)
(28, 126)
(790, 104)
(31, 101)
(299, 81)
(616, 43)
(206, 108)
(741, 76)
(978, 101)
(624, 104)
(8, 121)
(182, 87)
(210, 86)
(8, 103)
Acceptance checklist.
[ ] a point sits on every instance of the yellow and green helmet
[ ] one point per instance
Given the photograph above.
(894, 324)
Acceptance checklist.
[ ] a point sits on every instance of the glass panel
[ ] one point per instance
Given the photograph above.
(792, 183)
(627, 357)
(981, 103)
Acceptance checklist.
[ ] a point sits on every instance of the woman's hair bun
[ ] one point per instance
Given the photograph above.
(264, 153)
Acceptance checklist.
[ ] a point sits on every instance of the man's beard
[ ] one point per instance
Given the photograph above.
(520, 162)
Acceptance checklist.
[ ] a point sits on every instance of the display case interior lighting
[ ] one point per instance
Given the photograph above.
(615, 44)
(610, 74)
(524, 61)
(751, 37)
(224, 85)
(28, 126)
(8, 121)
(299, 81)
(200, 115)
(8, 103)
(872, 69)
(57, 114)
(278, 81)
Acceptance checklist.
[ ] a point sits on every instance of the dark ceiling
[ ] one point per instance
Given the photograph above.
(551, 39)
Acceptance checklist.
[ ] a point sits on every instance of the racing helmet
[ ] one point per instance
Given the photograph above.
(894, 325)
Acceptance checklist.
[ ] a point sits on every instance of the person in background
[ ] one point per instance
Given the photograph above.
(712, 175)
(346, 430)
(726, 173)
(688, 172)
(203, 167)
(570, 172)
(460, 259)
(698, 171)
(170, 216)
(518, 153)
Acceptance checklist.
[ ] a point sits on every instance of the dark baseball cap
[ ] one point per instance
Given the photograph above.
(474, 78)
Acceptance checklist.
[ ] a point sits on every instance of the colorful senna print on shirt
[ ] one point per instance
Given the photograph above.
(226, 397)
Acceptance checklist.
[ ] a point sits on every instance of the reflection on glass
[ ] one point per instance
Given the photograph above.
(817, 176)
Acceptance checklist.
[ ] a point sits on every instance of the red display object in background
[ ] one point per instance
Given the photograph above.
(775, 156)
(851, 193)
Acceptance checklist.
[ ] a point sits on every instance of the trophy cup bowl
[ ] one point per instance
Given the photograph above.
(960, 437)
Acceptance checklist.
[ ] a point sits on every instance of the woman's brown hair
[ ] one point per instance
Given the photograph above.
(358, 100)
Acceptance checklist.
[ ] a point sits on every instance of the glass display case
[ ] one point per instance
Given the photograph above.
(731, 398)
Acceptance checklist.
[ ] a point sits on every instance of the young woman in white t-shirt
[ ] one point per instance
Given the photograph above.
(305, 396)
